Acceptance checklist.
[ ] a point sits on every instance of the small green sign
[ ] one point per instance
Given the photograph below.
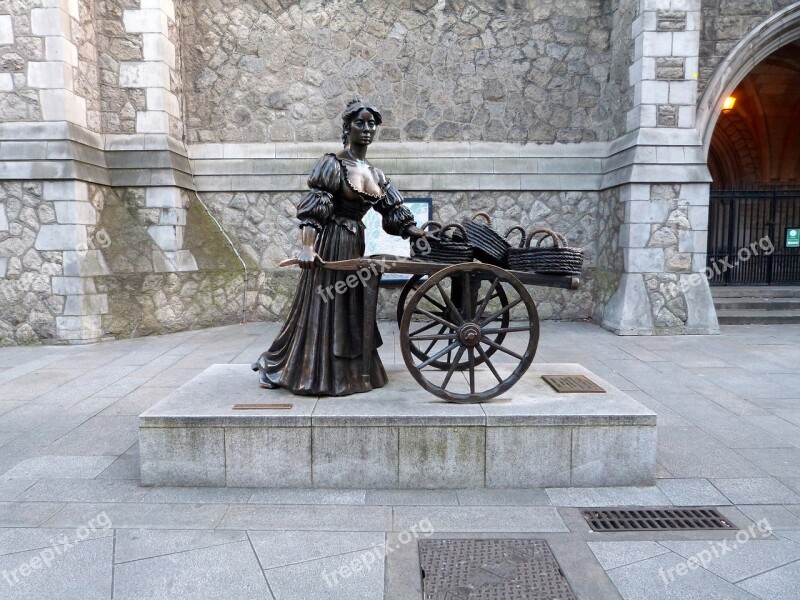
(793, 238)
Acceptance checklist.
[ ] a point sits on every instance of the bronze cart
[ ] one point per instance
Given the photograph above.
(456, 318)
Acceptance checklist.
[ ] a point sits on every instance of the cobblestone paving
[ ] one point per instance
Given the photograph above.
(74, 522)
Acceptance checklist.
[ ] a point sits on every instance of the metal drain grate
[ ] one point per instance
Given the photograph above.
(572, 384)
(490, 570)
(655, 519)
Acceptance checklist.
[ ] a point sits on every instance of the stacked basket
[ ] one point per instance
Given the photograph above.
(556, 259)
(453, 248)
(472, 239)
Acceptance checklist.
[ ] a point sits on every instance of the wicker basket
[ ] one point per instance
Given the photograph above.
(521, 244)
(558, 259)
(451, 249)
(490, 246)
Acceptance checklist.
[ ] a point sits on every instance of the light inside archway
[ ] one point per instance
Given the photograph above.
(727, 106)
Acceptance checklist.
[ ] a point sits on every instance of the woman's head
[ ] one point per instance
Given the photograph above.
(358, 110)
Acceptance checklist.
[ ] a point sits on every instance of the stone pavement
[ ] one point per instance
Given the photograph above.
(75, 524)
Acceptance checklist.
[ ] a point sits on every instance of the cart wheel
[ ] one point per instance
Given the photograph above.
(435, 304)
(469, 329)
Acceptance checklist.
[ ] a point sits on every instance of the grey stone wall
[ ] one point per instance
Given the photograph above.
(28, 307)
(725, 23)
(609, 264)
(87, 73)
(530, 71)
(18, 101)
(143, 301)
(114, 45)
(265, 227)
(617, 97)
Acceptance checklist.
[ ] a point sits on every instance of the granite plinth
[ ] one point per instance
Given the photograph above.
(396, 437)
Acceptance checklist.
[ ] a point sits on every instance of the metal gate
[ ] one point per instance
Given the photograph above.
(752, 236)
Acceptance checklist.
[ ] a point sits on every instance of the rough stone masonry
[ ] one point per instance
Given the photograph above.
(132, 130)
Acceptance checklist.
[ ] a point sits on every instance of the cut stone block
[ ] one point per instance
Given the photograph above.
(6, 30)
(61, 237)
(402, 437)
(628, 312)
(271, 457)
(182, 456)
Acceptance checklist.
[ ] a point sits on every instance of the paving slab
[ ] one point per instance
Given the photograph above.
(691, 492)
(127, 515)
(84, 490)
(612, 496)
(11, 489)
(503, 497)
(137, 544)
(21, 539)
(775, 461)
(214, 573)
(653, 579)
(689, 452)
(27, 514)
(60, 467)
(308, 518)
(302, 496)
(778, 517)
(98, 436)
(737, 561)
(477, 518)
(412, 497)
(81, 572)
(778, 584)
(358, 575)
(612, 555)
(756, 491)
(282, 548)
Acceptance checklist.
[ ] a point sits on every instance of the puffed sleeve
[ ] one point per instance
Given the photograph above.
(396, 216)
(316, 207)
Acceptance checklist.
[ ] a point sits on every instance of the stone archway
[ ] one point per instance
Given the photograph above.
(780, 29)
(751, 152)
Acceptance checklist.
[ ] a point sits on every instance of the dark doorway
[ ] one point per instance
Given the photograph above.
(749, 237)
(754, 160)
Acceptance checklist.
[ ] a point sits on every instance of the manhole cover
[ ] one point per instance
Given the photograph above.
(660, 519)
(572, 384)
(490, 570)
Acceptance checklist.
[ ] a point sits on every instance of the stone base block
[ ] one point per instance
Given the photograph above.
(396, 437)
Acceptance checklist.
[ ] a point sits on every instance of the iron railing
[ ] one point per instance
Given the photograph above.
(743, 226)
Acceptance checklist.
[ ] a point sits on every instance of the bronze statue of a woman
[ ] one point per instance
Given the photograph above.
(318, 349)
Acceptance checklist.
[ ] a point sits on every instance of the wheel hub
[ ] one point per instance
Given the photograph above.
(469, 334)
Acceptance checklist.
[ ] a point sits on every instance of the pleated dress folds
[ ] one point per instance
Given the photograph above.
(318, 350)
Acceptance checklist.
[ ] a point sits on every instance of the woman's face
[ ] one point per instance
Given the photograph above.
(363, 128)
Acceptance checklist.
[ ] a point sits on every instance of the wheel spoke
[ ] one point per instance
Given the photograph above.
(453, 365)
(438, 336)
(501, 312)
(433, 358)
(488, 363)
(421, 329)
(436, 318)
(436, 303)
(450, 304)
(471, 359)
(512, 329)
(433, 341)
(487, 299)
(486, 340)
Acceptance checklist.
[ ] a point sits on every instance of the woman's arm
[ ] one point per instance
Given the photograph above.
(308, 255)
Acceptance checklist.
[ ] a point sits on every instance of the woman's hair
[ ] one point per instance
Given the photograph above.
(353, 108)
